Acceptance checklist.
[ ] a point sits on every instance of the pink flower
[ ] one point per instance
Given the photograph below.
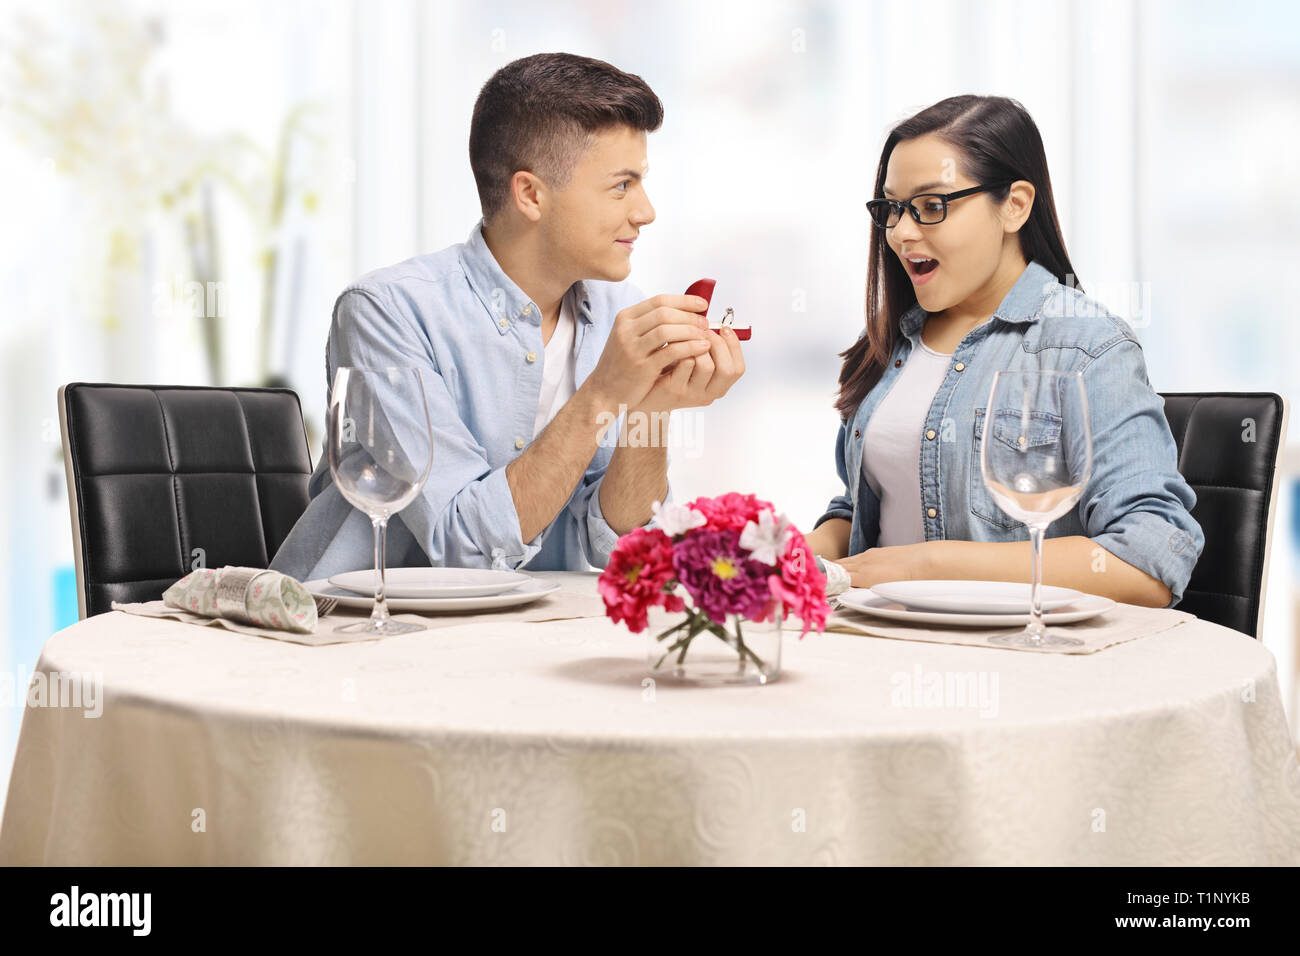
(800, 588)
(730, 512)
(637, 577)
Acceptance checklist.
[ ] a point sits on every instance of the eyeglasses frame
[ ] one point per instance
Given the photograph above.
(945, 198)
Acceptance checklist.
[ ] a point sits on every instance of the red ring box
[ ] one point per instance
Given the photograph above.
(704, 289)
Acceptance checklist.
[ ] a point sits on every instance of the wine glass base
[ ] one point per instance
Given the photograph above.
(1028, 638)
(384, 628)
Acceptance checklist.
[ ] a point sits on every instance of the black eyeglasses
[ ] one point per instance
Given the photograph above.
(886, 213)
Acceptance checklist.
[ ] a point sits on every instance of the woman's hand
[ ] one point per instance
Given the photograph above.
(877, 565)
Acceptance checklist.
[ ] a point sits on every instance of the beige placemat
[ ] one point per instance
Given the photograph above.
(562, 605)
(1124, 622)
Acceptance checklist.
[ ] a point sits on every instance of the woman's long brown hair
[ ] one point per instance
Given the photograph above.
(997, 140)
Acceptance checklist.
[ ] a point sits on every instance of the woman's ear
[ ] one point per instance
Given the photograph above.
(1017, 206)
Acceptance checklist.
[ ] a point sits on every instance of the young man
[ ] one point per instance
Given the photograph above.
(530, 342)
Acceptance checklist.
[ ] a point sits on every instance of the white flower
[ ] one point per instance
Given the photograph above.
(766, 540)
(676, 519)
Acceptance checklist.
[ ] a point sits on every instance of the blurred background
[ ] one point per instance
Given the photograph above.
(188, 185)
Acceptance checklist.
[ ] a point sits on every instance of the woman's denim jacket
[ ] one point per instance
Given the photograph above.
(1136, 504)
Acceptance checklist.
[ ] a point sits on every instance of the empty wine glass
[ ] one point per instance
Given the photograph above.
(1036, 459)
(380, 454)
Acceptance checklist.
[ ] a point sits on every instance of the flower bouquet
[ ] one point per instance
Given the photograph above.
(738, 562)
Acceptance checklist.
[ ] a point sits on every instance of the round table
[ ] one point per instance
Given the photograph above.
(547, 743)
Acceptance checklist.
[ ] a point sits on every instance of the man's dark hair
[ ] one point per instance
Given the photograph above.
(539, 113)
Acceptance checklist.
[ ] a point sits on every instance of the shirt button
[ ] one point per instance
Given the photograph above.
(503, 323)
(857, 433)
(959, 366)
(519, 443)
(898, 363)
(531, 356)
(931, 512)
(1021, 439)
(528, 310)
(930, 434)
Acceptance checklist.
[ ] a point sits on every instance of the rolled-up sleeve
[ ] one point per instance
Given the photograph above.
(841, 506)
(600, 538)
(465, 515)
(1137, 505)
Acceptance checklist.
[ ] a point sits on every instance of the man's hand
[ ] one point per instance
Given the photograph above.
(646, 339)
(698, 381)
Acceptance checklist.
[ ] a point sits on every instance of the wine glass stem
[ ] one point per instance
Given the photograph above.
(379, 614)
(1035, 626)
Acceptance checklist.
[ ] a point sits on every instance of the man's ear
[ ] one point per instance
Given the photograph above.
(528, 194)
(1017, 206)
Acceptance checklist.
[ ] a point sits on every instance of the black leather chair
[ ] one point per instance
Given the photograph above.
(162, 479)
(1235, 481)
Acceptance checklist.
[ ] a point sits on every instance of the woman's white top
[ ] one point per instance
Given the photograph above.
(891, 450)
(558, 365)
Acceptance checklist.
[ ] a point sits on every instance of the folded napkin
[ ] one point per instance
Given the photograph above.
(253, 596)
(1124, 622)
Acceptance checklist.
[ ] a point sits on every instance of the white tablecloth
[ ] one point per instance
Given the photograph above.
(542, 743)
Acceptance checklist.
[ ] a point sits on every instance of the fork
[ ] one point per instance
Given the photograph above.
(324, 604)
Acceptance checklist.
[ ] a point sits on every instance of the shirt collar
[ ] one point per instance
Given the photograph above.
(503, 299)
(1023, 303)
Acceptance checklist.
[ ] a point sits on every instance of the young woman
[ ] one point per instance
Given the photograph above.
(968, 275)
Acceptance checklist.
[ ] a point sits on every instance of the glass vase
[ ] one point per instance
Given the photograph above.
(699, 650)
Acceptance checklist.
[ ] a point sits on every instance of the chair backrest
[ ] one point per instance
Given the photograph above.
(1228, 448)
(163, 479)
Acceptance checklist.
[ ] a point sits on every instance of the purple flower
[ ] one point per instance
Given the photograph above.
(720, 576)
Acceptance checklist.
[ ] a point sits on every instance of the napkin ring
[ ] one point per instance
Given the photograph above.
(232, 593)
(838, 579)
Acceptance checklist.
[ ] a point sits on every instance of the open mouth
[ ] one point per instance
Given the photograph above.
(921, 266)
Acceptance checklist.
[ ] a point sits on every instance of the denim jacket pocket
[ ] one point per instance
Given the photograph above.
(1044, 428)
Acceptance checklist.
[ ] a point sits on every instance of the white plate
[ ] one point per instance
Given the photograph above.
(524, 594)
(973, 597)
(430, 582)
(868, 602)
